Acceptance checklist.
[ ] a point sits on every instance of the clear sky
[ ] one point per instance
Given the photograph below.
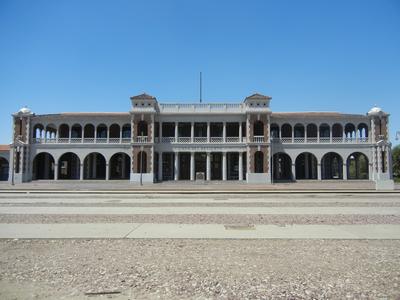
(58, 56)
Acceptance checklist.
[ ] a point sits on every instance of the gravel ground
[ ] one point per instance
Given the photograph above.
(201, 269)
(205, 219)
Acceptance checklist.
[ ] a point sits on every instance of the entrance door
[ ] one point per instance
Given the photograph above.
(233, 165)
(216, 166)
(168, 166)
(184, 166)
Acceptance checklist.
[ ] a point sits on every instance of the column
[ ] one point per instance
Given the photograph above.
(55, 171)
(83, 133)
(379, 154)
(208, 166)
(95, 134)
(293, 171)
(192, 168)
(318, 134)
(120, 135)
(240, 132)
(160, 169)
(344, 171)
(330, 133)
(208, 132)
(292, 133)
(107, 171)
(176, 132)
(69, 134)
(160, 132)
(319, 171)
(192, 132)
(176, 165)
(108, 134)
(240, 166)
(224, 132)
(81, 171)
(344, 134)
(223, 165)
(152, 129)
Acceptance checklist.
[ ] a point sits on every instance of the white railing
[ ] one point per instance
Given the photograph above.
(232, 139)
(184, 139)
(142, 139)
(200, 139)
(312, 140)
(63, 140)
(217, 139)
(126, 140)
(299, 140)
(286, 140)
(114, 140)
(168, 139)
(258, 139)
(324, 139)
(337, 140)
(88, 140)
(101, 140)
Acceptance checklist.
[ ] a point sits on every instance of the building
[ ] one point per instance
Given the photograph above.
(245, 141)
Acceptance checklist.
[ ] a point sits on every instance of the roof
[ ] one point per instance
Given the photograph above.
(313, 114)
(258, 96)
(4, 147)
(143, 96)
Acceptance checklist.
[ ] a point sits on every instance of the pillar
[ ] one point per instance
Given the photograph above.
(240, 133)
(344, 171)
(208, 132)
(69, 134)
(192, 169)
(107, 171)
(160, 169)
(224, 132)
(293, 171)
(81, 172)
(319, 171)
(176, 164)
(55, 171)
(318, 133)
(160, 132)
(240, 166)
(108, 134)
(208, 166)
(192, 132)
(95, 134)
(330, 133)
(176, 132)
(223, 165)
(305, 133)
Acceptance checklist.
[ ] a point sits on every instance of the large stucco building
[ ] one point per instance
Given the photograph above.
(245, 141)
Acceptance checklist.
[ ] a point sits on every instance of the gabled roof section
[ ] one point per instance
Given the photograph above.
(143, 96)
(258, 96)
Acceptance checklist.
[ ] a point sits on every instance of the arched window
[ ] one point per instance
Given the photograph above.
(274, 130)
(76, 131)
(88, 131)
(286, 131)
(337, 130)
(299, 131)
(350, 131)
(312, 131)
(142, 129)
(126, 131)
(357, 166)
(258, 128)
(324, 131)
(63, 131)
(362, 131)
(114, 131)
(101, 131)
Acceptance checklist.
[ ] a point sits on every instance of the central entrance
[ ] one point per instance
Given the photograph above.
(200, 160)
(216, 166)
(184, 166)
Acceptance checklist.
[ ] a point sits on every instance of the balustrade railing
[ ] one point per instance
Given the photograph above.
(200, 139)
(232, 139)
(142, 139)
(168, 139)
(184, 139)
(324, 139)
(258, 139)
(215, 140)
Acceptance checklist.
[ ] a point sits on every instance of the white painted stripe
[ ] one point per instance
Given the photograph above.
(203, 231)
(169, 210)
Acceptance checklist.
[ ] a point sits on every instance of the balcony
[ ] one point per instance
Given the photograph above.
(84, 140)
(320, 140)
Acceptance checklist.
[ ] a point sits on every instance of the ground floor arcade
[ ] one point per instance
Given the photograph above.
(209, 166)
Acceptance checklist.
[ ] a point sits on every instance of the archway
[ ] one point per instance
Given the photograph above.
(282, 167)
(94, 166)
(43, 166)
(69, 166)
(306, 166)
(120, 166)
(332, 166)
(4, 168)
(357, 166)
(275, 131)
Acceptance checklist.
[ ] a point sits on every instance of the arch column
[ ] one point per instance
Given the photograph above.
(160, 170)
(192, 132)
(293, 171)
(208, 132)
(224, 132)
(55, 170)
(107, 171)
(344, 170)
(319, 171)
(192, 169)
(240, 132)
(208, 166)
(176, 165)
(241, 166)
(223, 165)
(81, 171)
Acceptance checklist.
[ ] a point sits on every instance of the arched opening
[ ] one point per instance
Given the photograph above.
(274, 128)
(101, 131)
(282, 167)
(350, 131)
(324, 131)
(259, 162)
(63, 131)
(337, 130)
(142, 129)
(43, 166)
(362, 130)
(332, 166)
(69, 166)
(258, 128)
(357, 166)
(312, 132)
(126, 131)
(38, 131)
(299, 131)
(306, 166)
(286, 131)
(51, 132)
(114, 131)
(142, 162)
(88, 131)
(120, 166)
(94, 166)
(76, 131)
(4, 168)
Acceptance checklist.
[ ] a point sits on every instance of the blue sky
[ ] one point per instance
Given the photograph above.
(58, 56)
